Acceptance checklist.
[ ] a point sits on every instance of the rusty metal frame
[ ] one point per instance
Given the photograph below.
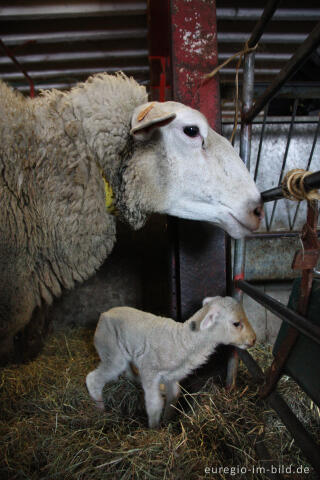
(298, 322)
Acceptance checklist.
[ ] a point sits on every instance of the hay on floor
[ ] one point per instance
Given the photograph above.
(49, 428)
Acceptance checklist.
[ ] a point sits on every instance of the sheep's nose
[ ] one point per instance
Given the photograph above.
(256, 214)
(259, 212)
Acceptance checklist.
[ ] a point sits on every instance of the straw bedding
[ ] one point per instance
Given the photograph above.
(49, 429)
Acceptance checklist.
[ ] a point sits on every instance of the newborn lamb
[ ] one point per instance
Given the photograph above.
(164, 351)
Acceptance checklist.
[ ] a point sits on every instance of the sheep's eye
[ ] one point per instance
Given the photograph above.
(191, 131)
(236, 324)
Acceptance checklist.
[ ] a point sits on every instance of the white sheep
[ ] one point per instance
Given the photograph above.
(54, 152)
(163, 351)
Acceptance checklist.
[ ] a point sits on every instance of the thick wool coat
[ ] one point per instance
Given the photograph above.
(54, 227)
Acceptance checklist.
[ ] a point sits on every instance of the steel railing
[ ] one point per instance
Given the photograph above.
(250, 110)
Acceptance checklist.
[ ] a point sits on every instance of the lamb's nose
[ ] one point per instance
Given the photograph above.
(252, 342)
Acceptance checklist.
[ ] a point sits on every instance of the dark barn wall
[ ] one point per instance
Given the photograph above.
(135, 274)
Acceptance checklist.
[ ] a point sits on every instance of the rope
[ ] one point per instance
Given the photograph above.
(245, 50)
(293, 186)
(210, 75)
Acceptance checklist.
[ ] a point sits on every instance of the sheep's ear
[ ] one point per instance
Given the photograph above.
(149, 116)
(210, 318)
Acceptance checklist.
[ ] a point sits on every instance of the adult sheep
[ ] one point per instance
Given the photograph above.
(55, 151)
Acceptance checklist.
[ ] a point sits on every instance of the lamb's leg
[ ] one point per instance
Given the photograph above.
(97, 379)
(172, 395)
(153, 401)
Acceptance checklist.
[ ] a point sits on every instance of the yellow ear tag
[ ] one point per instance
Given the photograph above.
(109, 198)
(145, 112)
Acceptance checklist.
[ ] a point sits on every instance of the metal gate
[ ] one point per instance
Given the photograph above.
(304, 260)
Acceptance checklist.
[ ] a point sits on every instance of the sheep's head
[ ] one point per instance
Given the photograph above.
(228, 323)
(192, 172)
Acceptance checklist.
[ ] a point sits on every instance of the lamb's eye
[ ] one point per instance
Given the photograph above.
(191, 131)
(236, 324)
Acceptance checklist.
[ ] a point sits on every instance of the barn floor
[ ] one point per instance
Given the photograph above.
(49, 428)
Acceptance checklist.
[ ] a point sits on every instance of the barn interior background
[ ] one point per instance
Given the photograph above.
(164, 268)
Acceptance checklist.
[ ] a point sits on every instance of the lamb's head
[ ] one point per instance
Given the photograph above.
(191, 171)
(227, 322)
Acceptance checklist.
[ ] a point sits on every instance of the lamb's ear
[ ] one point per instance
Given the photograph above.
(210, 318)
(207, 300)
(149, 116)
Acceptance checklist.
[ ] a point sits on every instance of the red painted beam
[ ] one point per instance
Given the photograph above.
(195, 53)
(199, 249)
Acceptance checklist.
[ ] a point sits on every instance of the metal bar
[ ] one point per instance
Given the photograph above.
(282, 119)
(18, 64)
(262, 22)
(80, 36)
(299, 433)
(74, 72)
(294, 319)
(252, 366)
(260, 141)
(281, 14)
(289, 69)
(267, 38)
(259, 155)
(310, 182)
(309, 240)
(284, 161)
(293, 117)
(266, 460)
(278, 234)
(69, 9)
(276, 193)
(223, 37)
(258, 71)
(301, 436)
(245, 150)
(72, 56)
(307, 168)
(274, 57)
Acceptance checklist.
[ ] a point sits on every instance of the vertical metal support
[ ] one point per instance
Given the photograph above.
(315, 139)
(201, 247)
(245, 149)
(265, 115)
(300, 262)
(284, 161)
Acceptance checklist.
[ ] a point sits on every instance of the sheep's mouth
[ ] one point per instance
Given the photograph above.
(247, 228)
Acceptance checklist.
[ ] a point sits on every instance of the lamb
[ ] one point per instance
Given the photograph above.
(163, 351)
(55, 152)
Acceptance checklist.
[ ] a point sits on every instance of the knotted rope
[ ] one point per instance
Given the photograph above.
(293, 186)
(210, 75)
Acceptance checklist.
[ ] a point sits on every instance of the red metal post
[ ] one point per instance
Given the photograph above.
(195, 53)
(200, 249)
